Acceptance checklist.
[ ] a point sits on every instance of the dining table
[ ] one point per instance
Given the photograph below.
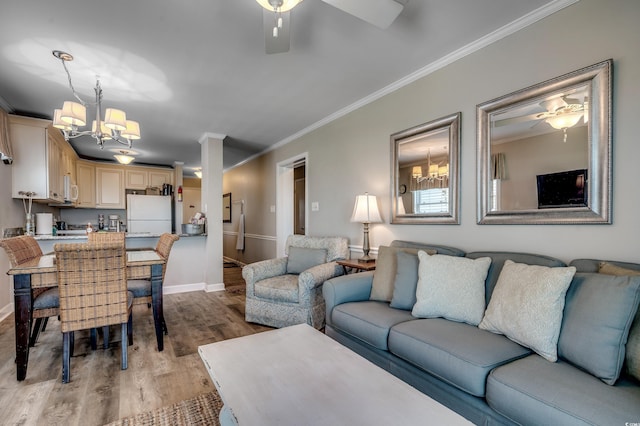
(41, 272)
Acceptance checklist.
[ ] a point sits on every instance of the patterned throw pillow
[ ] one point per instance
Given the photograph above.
(527, 305)
(451, 287)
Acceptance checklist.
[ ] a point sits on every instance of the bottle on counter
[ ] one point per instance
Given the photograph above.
(100, 222)
(89, 228)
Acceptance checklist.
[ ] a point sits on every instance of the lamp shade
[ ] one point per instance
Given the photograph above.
(366, 209)
(74, 114)
(416, 172)
(57, 121)
(132, 131)
(115, 119)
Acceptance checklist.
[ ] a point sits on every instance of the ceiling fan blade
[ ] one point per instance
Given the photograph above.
(380, 13)
(281, 43)
(515, 120)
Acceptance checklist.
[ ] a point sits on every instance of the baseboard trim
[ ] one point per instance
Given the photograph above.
(214, 287)
(6, 311)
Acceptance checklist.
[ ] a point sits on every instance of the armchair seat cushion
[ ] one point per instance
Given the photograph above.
(283, 288)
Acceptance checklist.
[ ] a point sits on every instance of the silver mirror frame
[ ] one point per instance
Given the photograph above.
(598, 209)
(452, 124)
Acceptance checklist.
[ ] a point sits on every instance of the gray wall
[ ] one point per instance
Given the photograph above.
(352, 154)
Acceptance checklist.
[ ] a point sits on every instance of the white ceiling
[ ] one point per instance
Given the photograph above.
(184, 68)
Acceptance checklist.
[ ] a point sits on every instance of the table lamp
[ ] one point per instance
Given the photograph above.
(366, 211)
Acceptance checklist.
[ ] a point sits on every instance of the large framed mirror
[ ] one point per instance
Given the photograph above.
(544, 152)
(425, 173)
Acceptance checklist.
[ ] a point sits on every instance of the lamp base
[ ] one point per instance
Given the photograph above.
(366, 259)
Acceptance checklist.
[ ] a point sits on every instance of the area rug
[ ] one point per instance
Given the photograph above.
(201, 410)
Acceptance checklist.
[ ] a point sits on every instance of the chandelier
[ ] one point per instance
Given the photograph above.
(73, 115)
(435, 172)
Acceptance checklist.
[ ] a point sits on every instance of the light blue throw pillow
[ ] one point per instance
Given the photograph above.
(598, 313)
(301, 258)
(404, 289)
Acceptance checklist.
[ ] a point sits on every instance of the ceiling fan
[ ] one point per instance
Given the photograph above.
(276, 17)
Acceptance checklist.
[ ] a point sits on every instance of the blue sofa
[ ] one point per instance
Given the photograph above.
(485, 376)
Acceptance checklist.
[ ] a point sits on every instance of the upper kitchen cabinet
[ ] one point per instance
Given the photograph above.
(143, 178)
(39, 159)
(110, 188)
(86, 173)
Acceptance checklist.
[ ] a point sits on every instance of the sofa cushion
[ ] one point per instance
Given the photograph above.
(386, 269)
(458, 353)
(598, 313)
(633, 343)
(534, 391)
(302, 258)
(369, 321)
(406, 280)
(527, 305)
(283, 288)
(451, 287)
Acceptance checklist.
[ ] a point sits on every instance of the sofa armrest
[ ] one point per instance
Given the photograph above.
(345, 289)
(264, 269)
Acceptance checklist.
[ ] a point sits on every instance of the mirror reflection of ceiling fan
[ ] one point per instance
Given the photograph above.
(561, 113)
(276, 17)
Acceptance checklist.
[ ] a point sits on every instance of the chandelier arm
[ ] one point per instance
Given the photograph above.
(73, 90)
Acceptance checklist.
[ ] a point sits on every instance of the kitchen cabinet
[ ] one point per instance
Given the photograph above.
(36, 168)
(110, 188)
(143, 178)
(86, 173)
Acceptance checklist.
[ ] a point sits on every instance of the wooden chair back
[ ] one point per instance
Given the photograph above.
(92, 281)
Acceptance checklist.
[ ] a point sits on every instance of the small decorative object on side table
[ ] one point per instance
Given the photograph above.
(356, 265)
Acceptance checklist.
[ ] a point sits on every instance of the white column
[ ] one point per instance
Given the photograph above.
(177, 206)
(212, 169)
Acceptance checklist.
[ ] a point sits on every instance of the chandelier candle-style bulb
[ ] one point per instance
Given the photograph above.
(74, 114)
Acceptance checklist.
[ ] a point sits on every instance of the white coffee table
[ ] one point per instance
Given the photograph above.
(298, 376)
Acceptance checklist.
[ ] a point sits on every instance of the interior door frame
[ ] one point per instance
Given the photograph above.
(284, 199)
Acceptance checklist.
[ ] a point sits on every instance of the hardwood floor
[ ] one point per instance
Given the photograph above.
(99, 392)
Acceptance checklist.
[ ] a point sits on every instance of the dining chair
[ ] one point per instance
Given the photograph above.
(106, 237)
(92, 281)
(139, 280)
(44, 300)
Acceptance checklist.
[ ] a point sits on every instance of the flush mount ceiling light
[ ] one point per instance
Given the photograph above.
(124, 157)
(198, 172)
(73, 115)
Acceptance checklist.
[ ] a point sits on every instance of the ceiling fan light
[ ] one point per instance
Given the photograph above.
(57, 121)
(115, 119)
(74, 114)
(124, 159)
(106, 133)
(198, 174)
(278, 5)
(132, 131)
(564, 121)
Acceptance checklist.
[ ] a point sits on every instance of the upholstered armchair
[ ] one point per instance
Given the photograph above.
(288, 290)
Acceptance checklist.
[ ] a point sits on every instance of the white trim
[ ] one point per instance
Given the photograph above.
(508, 29)
(284, 199)
(6, 311)
(187, 288)
(208, 135)
(214, 287)
(254, 236)
(358, 249)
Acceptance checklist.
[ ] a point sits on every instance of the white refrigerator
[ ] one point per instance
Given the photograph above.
(148, 213)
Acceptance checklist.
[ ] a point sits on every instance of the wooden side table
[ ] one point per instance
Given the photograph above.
(356, 266)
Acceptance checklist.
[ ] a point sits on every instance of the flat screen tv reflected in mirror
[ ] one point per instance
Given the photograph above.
(562, 189)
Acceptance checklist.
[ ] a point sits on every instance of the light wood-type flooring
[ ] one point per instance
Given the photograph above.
(99, 392)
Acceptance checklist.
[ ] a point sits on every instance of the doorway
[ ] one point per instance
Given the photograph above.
(291, 211)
